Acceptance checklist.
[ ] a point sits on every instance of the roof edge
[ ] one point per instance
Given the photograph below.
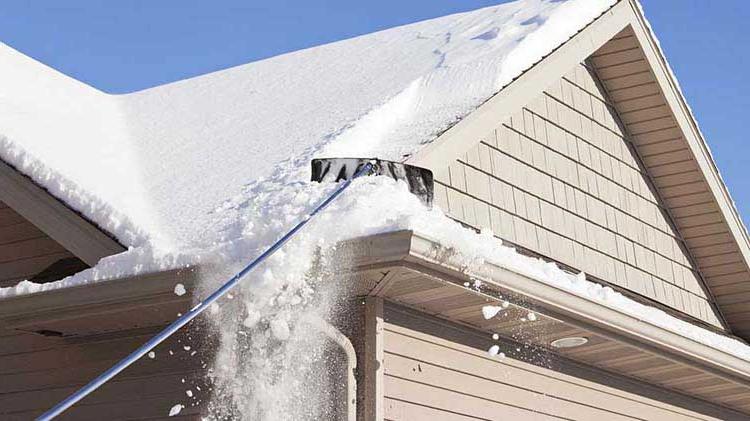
(696, 138)
(105, 296)
(406, 249)
(554, 302)
(59, 221)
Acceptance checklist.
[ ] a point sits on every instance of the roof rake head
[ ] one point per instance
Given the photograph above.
(418, 179)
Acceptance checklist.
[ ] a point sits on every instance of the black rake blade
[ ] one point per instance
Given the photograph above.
(418, 179)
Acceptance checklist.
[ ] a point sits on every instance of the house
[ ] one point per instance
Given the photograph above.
(557, 127)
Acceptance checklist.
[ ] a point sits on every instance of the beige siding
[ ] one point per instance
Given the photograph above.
(50, 368)
(439, 371)
(560, 179)
(682, 170)
(25, 251)
(43, 359)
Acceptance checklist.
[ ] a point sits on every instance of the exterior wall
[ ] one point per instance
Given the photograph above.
(438, 371)
(25, 251)
(44, 361)
(48, 369)
(559, 178)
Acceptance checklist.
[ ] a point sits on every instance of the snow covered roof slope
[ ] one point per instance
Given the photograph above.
(152, 166)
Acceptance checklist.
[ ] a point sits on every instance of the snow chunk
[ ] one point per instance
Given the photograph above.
(252, 318)
(175, 410)
(179, 290)
(280, 329)
(490, 311)
(152, 355)
(494, 350)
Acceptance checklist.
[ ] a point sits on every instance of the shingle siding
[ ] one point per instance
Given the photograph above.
(560, 179)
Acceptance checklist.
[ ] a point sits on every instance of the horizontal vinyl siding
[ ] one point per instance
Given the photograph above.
(37, 371)
(431, 376)
(24, 249)
(559, 179)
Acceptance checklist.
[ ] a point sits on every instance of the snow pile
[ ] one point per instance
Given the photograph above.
(175, 410)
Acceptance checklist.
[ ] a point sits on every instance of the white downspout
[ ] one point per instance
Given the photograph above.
(351, 361)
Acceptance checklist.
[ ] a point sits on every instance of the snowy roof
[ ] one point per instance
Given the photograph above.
(151, 167)
(222, 158)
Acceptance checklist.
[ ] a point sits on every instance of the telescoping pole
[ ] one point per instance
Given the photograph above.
(198, 309)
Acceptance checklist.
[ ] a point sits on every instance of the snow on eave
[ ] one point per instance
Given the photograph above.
(81, 202)
(456, 253)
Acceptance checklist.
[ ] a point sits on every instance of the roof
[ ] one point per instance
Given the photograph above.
(177, 169)
(150, 167)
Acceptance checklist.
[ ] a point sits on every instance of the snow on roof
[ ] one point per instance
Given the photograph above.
(151, 166)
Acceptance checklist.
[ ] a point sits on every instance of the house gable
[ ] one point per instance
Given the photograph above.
(690, 214)
(41, 239)
(559, 178)
(665, 135)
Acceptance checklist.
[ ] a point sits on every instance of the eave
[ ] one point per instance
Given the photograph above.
(101, 306)
(61, 223)
(411, 270)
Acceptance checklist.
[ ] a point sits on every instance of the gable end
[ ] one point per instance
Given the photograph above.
(647, 107)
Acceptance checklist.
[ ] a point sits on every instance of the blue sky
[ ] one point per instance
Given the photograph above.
(129, 45)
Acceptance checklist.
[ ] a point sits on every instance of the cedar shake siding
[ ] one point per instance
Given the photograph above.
(561, 179)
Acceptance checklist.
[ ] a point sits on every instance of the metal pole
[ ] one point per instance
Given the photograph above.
(195, 311)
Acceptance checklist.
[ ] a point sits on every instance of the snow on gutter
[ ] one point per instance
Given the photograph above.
(558, 294)
(574, 300)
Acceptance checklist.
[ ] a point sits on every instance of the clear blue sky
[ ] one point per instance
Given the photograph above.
(127, 45)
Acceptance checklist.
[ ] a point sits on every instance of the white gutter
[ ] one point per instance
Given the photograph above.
(583, 312)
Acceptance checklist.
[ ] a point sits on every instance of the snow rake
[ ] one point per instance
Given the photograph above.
(419, 180)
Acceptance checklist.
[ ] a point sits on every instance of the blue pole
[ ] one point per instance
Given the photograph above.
(195, 311)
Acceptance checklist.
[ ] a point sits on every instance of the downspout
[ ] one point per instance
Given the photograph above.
(351, 361)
